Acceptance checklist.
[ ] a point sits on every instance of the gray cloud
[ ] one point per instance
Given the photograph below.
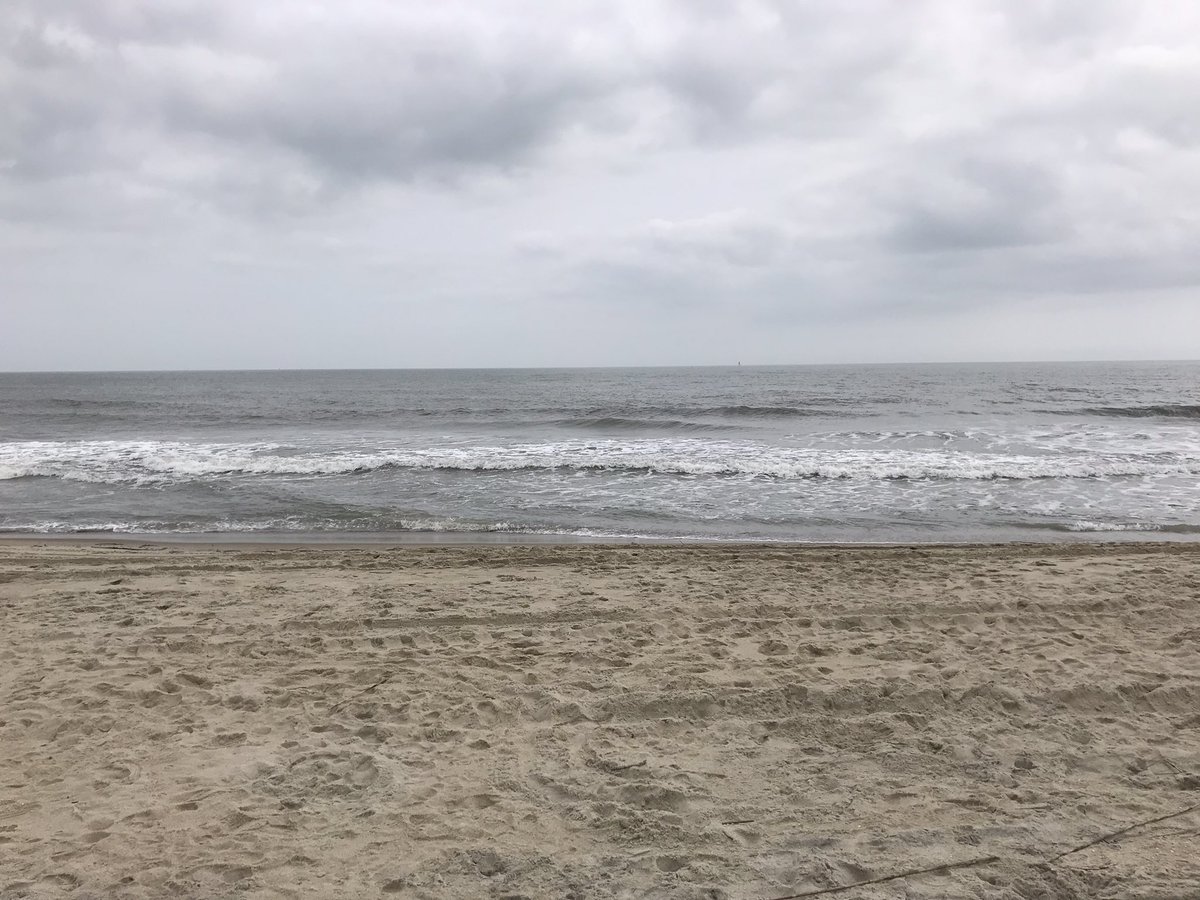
(376, 91)
(969, 203)
(485, 171)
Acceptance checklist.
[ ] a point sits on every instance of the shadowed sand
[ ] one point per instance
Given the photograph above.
(539, 721)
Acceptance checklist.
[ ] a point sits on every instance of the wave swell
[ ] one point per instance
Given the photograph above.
(1152, 411)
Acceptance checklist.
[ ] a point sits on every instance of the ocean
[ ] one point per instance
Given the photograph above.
(876, 453)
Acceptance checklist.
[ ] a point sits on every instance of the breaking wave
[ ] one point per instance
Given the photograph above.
(165, 462)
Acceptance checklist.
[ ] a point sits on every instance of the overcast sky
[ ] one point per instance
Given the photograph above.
(278, 183)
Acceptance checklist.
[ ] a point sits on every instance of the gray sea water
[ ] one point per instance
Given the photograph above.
(808, 453)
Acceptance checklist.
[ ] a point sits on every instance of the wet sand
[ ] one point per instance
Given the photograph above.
(610, 722)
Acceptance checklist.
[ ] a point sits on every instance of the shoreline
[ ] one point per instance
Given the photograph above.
(401, 540)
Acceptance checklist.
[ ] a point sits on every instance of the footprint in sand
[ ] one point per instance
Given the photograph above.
(324, 775)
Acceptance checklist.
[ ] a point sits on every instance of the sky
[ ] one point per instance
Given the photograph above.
(381, 183)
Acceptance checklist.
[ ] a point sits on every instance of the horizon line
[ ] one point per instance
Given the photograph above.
(517, 368)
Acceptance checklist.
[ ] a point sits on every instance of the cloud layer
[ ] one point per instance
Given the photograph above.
(182, 183)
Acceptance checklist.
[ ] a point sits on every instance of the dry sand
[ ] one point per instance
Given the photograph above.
(597, 722)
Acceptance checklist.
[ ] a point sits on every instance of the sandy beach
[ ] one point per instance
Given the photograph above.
(579, 721)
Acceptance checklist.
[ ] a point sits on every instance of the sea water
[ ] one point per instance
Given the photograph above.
(797, 453)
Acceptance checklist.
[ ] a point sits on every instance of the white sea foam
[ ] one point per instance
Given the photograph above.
(277, 525)
(1085, 525)
(165, 462)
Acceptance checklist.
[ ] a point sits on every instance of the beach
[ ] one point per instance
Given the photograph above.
(715, 721)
